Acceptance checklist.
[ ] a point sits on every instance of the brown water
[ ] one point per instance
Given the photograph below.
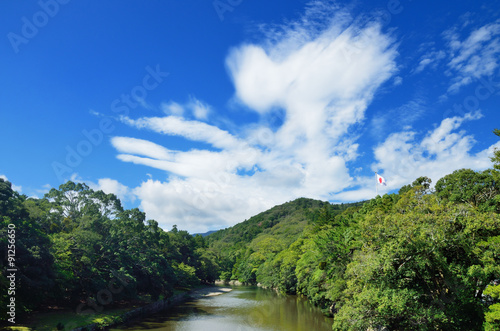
(243, 309)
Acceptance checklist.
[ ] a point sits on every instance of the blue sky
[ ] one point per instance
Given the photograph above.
(204, 113)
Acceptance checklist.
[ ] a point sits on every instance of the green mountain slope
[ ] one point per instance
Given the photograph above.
(244, 247)
(287, 219)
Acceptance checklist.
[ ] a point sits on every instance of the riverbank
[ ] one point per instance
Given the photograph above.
(67, 320)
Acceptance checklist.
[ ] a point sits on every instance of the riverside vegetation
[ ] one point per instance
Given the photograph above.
(422, 259)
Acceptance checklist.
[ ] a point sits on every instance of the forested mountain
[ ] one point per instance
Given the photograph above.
(288, 219)
(427, 258)
(246, 245)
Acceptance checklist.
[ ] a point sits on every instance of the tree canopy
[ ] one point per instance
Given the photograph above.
(74, 242)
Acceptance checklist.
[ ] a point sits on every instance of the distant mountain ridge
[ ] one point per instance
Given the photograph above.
(204, 234)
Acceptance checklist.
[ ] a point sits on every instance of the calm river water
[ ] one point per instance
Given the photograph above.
(244, 308)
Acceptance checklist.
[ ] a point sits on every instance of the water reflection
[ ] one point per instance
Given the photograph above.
(243, 309)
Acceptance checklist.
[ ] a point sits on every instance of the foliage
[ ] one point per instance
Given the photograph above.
(30, 246)
(478, 189)
(496, 155)
(492, 316)
(75, 242)
(250, 251)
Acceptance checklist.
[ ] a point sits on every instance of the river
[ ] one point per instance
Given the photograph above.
(243, 309)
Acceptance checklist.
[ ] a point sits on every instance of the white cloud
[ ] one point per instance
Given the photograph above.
(112, 186)
(474, 57)
(140, 147)
(108, 186)
(192, 130)
(95, 113)
(200, 109)
(39, 193)
(322, 76)
(344, 65)
(172, 108)
(199, 205)
(431, 58)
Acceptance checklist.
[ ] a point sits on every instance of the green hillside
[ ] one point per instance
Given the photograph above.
(288, 219)
(267, 233)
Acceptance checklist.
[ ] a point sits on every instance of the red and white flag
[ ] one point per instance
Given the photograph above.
(381, 180)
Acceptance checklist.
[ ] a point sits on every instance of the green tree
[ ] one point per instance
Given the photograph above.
(423, 183)
(496, 154)
(492, 316)
(29, 246)
(412, 271)
(479, 189)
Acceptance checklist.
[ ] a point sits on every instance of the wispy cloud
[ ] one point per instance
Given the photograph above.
(474, 56)
(430, 59)
(394, 119)
(189, 129)
(140, 147)
(172, 108)
(200, 109)
(442, 150)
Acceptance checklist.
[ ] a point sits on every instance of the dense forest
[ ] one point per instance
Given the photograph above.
(79, 248)
(426, 258)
